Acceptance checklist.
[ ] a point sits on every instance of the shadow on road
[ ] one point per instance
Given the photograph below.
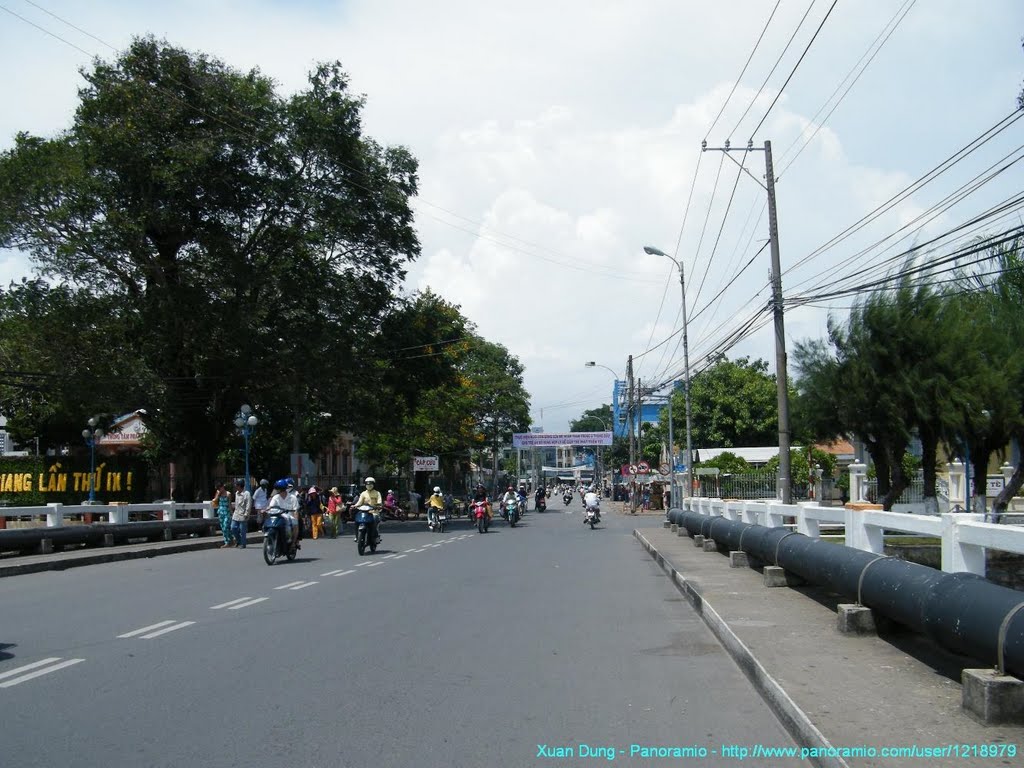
(4, 655)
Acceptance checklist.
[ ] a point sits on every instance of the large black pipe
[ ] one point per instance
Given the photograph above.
(962, 612)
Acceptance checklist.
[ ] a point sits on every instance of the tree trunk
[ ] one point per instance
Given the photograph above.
(979, 479)
(880, 457)
(1002, 501)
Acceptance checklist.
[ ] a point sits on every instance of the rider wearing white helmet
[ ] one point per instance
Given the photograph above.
(371, 497)
(435, 504)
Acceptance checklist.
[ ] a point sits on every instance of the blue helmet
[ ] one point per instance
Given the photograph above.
(281, 484)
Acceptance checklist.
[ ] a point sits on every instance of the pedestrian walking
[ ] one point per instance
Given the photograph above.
(315, 512)
(334, 507)
(260, 502)
(240, 517)
(222, 503)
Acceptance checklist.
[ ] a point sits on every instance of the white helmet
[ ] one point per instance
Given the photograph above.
(370, 481)
(437, 489)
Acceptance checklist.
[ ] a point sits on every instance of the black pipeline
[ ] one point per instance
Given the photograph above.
(962, 612)
(29, 539)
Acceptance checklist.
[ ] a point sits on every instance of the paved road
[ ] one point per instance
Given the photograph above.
(440, 650)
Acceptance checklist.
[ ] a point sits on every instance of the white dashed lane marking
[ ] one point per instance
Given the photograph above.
(248, 603)
(376, 562)
(399, 557)
(332, 573)
(229, 603)
(290, 584)
(304, 584)
(388, 557)
(165, 630)
(135, 632)
(344, 573)
(43, 667)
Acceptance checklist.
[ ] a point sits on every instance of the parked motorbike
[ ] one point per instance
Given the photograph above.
(592, 516)
(480, 514)
(366, 529)
(275, 538)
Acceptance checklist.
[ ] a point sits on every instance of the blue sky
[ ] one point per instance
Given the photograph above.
(567, 134)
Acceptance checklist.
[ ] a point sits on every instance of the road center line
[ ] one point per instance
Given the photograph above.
(289, 585)
(229, 603)
(246, 605)
(399, 557)
(360, 565)
(303, 585)
(39, 672)
(376, 562)
(165, 630)
(345, 573)
(412, 550)
(332, 573)
(135, 632)
(388, 557)
(27, 667)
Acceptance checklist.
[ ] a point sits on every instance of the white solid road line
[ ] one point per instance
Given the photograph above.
(344, 573)
(248, 603)
(135, 632)
(27, 667)
(37, 673)
(303, 585)
(229, 603)
(165, 630)
(376, 562)
(289, 585)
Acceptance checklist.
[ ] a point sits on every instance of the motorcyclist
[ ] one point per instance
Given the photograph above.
(523, 495)
(371, 497)
(283, 501)
(391, 503)
(541, 498)
(510, 495)
(435, 504)
(591, 501)
(480, 494)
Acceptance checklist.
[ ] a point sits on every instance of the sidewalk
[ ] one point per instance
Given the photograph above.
(894, 690)
(59, 561)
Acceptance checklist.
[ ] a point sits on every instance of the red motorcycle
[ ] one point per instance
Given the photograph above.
(483, 521)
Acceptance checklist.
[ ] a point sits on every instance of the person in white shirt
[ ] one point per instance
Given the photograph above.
(592, 501)
(260, 501)
(240, 515)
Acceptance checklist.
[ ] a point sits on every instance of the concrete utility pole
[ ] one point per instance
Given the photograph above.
(781, 379)
(629, 409)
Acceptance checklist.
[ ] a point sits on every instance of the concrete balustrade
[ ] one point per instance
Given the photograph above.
(56, 514)
(965, 538)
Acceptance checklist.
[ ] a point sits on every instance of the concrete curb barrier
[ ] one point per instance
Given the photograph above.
(794, 719)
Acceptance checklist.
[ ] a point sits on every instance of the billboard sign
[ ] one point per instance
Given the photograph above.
(557, 439)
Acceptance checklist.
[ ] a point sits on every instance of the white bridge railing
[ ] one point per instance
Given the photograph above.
(115, 513)
(965, 538)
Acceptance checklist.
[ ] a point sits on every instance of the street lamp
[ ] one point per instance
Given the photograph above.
(92, 434)
(686, 365)
(245, 421)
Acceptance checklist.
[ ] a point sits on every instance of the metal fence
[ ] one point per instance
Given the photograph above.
(749, 486)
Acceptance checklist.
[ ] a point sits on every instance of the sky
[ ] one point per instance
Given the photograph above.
(556, 139)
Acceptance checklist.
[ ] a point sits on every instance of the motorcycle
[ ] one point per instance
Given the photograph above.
(438, 520)
(480, 514)
(542, 504)
(592, 516)
(567, 498)
(366, 529)
(275, 538)
(511, 512)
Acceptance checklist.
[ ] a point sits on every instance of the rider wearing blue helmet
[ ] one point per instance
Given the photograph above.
(287, 503)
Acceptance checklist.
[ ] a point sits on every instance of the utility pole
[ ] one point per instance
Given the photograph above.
(781, 378)
(629, 409)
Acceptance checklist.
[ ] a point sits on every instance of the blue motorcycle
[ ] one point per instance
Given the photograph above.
(275, 538)
(512, 512)
(366, 529)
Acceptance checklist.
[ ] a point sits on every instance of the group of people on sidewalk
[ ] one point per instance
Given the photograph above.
(320, 514)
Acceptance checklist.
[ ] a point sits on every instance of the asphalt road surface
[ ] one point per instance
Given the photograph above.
(454, 649)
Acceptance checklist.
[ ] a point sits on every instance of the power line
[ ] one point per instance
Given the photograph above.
(795, 67)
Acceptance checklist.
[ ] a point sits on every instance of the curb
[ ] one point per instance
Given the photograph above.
(110, 556)
(793, 719)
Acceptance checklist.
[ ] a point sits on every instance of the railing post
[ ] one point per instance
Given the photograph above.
(860, 535)
(956, 556)
(858, 482)
(804, 524)
(957, 484)
(54, 515)
(774, 517)
(170, 511)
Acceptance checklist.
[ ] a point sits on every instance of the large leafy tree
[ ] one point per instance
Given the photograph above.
(246, 236)
(733, 403)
